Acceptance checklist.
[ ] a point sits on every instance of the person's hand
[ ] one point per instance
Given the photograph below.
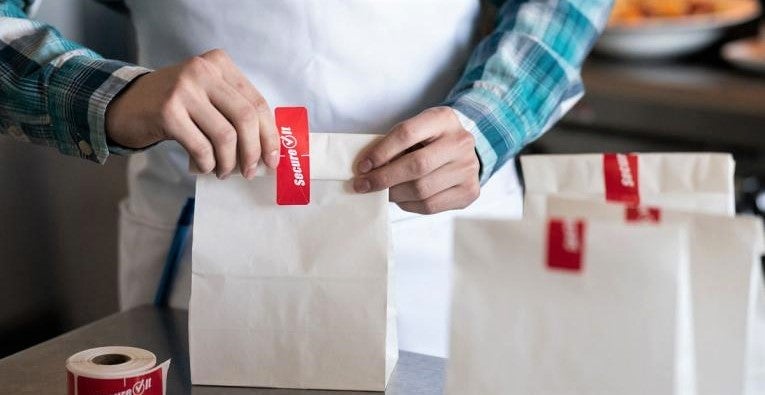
(208, 106)
(428, 162)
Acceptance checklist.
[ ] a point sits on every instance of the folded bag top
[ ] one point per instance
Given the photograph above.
(658, 172)
(700, 182)
(333, 155)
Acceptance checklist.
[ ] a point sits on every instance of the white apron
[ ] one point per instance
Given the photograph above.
(359, 66)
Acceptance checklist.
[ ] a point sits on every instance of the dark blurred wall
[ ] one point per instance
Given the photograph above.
(59, 214)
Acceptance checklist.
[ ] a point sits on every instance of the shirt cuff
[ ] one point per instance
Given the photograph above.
(473, 115)
(80, 90)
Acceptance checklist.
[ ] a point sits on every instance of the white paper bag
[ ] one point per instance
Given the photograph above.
(293, 296)
(699, 182)
(726, 285)
(614, 327)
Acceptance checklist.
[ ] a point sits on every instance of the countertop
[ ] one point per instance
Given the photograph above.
(40, 369)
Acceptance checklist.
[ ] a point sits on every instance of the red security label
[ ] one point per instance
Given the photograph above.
(149, 383)
(293, 175)
(642, 214)
(620, 172)
(565, 244)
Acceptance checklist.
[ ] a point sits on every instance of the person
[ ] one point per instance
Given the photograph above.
(455, 107)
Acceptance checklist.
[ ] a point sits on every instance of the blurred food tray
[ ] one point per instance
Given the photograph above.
(684, 106)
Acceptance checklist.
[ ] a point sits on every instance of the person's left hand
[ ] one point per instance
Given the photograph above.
(429, 163)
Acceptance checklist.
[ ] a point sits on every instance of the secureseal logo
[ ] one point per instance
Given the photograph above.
(138, 387)
(293, 177)
(625, 171)
(288, 141)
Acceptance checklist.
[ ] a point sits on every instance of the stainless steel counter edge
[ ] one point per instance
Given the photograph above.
(40, 369)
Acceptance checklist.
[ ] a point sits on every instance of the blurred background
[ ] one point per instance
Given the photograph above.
(676, 75)
(661, 79)
(55, 273)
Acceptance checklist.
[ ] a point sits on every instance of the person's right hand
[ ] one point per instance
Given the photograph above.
(208, 106)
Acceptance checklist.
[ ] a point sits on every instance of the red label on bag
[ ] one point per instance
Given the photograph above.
(565, 244)
(149, 383)
(620, 172)
(293, 175)
(642, 214)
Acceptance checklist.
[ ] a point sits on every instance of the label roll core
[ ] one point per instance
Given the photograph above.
(116, 370)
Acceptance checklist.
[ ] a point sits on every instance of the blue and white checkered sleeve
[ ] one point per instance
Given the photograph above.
(52, 90)
(525, 75)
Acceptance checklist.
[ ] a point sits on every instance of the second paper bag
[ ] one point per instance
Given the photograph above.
(570, 307)
(293, 296)
(726, 288)
(698, 182)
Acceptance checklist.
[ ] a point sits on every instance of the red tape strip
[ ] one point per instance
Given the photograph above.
(293, 175)
(565, 244)
(149, 383)
(620, 172)
(642, 214)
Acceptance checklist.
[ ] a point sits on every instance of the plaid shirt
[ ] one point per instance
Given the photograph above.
(519, 80)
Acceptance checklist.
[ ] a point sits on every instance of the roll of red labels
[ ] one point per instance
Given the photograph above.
(116, 370)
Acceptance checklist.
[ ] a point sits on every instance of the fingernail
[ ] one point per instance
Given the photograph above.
(362, 185)
(225, 176)
(272, 159)
(365, 166)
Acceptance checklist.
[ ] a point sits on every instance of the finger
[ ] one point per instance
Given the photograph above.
(456, 197)
(408, 167)
(268, 143)
(269, 136)
(219, 131)
(441, 179)
(422, 128)
(269, 140)
(183, 129)
(245, 140)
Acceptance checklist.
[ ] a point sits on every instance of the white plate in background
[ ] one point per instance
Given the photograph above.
(661, 38)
